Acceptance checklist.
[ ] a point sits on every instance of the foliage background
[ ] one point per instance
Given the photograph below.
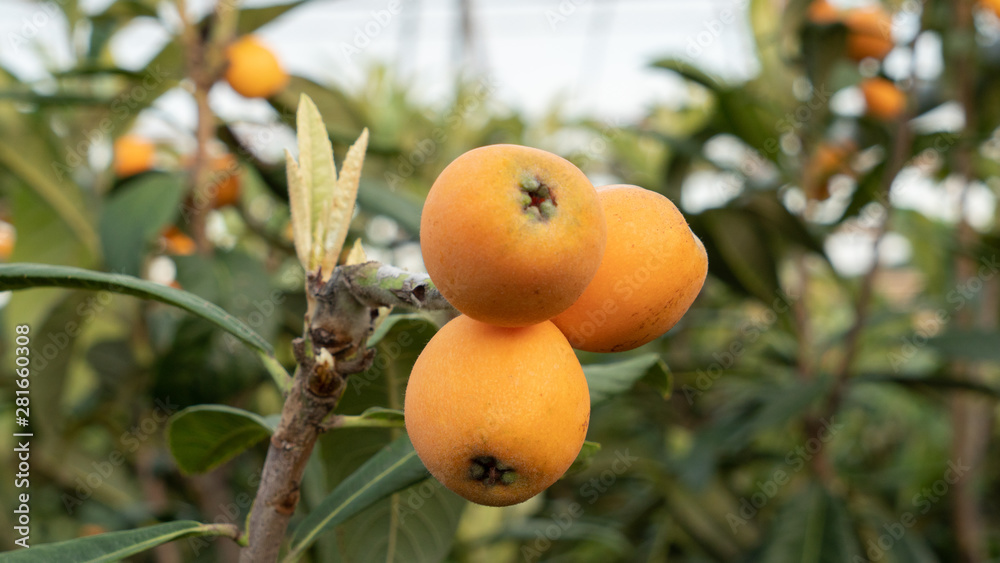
(838, 367)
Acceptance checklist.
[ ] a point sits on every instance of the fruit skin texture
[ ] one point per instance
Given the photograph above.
(653, 269)
(501, 255)
(884, 100)
(253, 69)
(514, 398)
(869, 33)
(132, 155)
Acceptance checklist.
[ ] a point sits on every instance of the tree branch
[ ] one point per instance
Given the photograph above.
(340, 319)
(381, 285)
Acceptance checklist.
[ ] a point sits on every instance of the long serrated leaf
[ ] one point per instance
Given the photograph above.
(113, 546)
(205, 436)
(394, 468)
(342, 202)
(27, 276)
(606, 380)
(300, 203)
(813, 527)
(319, 173)
(415, 525)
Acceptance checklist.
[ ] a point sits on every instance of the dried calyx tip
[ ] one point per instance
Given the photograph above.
(537, 198)
(490, 472)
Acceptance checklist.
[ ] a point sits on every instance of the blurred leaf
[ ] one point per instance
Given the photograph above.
(416, 525)
(61, 329)
(812, 527)
(28, 161)
(690, 72)
(342, 119)
(394, 468)
(530, 529)
(584, 458)
(738, 251)
(135, 215)
(400, 206)
(27, 276)
(251, 19)
(606, 380)
(413, 320)
(787, 228)
(740, 422)
(969, 345)
(931, 383)
(205, 436)
(113, 546)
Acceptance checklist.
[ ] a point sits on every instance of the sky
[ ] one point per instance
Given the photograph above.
(586, 57)
(591, 56)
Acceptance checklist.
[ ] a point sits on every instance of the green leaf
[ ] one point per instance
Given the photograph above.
(416, 525)
(343, 119)
(529, 529)
(61, 325)
(400, 206)
(584, 458)
(252, 19)
(27, 276)
(319, 173)
(374, 417)
(969, 345)
(114, 546)
(205, 436)
(134, 216)
(414, 320)
(738, 250)
(394, 468)
(690, 72)
(27, 160)
(813, 527)
(605, 380)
